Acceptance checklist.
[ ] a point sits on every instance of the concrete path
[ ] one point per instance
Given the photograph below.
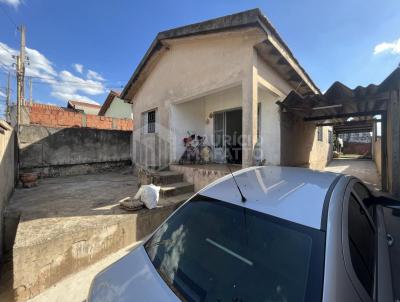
(361, 168)
(68, 223)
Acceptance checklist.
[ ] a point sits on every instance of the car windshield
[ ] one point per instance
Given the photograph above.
(211, 250)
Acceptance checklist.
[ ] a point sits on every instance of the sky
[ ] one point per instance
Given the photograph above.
(82, 49)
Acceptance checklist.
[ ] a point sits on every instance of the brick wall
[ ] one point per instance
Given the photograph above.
(357, 148)
(59, 117)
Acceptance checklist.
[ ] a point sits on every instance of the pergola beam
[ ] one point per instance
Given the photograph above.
(342, 115)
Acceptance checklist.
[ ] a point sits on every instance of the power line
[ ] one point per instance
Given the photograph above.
(5, 49)
(54, 81)
(77, 84)
(9, 17)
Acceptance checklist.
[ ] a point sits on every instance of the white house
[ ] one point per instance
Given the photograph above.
(220, 78)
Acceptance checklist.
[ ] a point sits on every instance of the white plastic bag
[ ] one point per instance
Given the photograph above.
(149, 195)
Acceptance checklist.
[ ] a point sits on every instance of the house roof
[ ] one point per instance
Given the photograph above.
(48, 106)
(246, 19)
(108, 101)
(340, 101)
(73, 103)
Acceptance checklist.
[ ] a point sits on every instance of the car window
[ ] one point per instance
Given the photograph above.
(365, 196)
(362, 244)
(215, 251)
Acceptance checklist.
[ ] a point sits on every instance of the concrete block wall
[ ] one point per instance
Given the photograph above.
(364, 149)
(7, 171)
(72, 151)
(59, 117)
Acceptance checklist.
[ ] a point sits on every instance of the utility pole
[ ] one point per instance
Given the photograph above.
(8, 98)
(18, 92)
(30, 91)
(22, 63)
(20, 75)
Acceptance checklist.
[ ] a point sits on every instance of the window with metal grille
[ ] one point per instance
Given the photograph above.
(330, 136)
(320, 134)
(151, 121)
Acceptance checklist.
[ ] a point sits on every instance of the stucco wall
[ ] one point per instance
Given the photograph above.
(186, 117)
(270, 130)
(7, 171)
(192, 68)
(57, 151)
(377, 152)
(321, 152)
(119, 109)
(196, 117)
(300, 145)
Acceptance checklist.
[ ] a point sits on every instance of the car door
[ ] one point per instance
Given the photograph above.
(359, 242)
(384, 275)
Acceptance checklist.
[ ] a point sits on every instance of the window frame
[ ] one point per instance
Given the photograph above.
(320, 133)
(146, 124)
(361, 290)
(330, 136)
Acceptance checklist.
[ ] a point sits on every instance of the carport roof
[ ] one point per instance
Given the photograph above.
(340, 102)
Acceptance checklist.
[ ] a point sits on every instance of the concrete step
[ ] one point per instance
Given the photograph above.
(175, 189)
(167, 177)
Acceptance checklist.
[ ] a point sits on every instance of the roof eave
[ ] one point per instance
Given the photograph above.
(250, 18)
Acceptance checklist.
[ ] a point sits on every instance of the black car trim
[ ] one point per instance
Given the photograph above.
(325, 207)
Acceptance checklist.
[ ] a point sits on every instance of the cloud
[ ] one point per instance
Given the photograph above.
(6, 59)
(64, 85)
(37, 65)
(13, 3)
(70, 87)
(390, 47)
(72, 96)
(2, 94)
(93, 75)
(78, 67)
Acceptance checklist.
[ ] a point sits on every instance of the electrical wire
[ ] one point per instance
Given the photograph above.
(9, 17)
(6, 49)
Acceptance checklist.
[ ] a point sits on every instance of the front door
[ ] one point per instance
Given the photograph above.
(227, 136)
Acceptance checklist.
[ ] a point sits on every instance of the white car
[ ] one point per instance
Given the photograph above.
(280, 234)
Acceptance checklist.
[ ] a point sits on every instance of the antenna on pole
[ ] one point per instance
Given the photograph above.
(237, 186)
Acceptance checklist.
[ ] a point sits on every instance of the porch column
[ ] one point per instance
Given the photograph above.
(394, 125)
(249, 111)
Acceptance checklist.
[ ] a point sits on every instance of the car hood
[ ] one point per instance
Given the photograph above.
(132, 278)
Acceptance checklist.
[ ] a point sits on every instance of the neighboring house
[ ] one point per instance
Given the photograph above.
(84, 107)
(220, 78)
(115, 107)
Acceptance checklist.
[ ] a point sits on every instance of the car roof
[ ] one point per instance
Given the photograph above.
(293, 194)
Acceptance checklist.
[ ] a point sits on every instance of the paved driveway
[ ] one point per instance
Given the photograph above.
(362, 168)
